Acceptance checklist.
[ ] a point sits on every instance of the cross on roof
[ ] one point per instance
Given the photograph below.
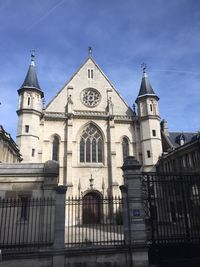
(144, 67)
(89, 51)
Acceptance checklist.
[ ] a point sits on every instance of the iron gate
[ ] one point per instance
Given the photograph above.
(172, 205)
(92, 221)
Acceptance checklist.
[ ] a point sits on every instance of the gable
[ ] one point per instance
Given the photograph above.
(101, 88)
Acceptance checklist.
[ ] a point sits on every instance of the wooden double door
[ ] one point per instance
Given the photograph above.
(91, 208)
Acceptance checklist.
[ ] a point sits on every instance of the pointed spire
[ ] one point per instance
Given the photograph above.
(145, 87)
(31, 80)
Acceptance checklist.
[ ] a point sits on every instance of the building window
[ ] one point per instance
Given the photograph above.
(55, 148)
(100, 150)
(33, 152)
(91, 145)
(125, 148)
(90, 73)
(151, 107)
(148, 154)
(90, 97)
(26, 128)
(29, 101)
(82, 150)
(154, 132)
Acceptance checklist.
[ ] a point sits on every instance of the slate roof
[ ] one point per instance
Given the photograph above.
(145, 87)
(175, 137)
(31, 80)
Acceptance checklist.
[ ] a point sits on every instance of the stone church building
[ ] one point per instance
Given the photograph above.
(89, 129)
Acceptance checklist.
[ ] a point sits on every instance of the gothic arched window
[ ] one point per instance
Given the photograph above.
(91, 145)
(125, 148)
(55, 148)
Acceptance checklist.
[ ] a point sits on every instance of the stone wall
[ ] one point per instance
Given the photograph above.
(76, 258)
(34, 179)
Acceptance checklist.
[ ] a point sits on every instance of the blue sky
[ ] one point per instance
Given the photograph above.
(124, 34)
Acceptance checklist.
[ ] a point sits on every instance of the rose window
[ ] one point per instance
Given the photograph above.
(91, 97)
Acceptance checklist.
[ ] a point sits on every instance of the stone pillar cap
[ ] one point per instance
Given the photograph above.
(130, 163)
(51, 167)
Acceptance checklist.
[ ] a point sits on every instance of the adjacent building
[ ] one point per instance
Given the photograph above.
(9, 151)
(181, 151)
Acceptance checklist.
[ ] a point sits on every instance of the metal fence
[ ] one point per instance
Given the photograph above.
(94, 221)
(26, 222)
(172, 205)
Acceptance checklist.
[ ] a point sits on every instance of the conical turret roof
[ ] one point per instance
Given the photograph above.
(31, 80)
(145, 87)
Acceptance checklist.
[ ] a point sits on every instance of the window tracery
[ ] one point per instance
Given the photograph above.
(90, 97)
(91, 145)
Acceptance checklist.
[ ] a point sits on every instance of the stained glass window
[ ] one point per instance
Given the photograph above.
(82, 150)
(88, 152)
(100, 150)
(91, 145)
(94, 149)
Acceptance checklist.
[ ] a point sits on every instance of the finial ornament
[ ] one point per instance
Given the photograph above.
(144, 67)
(89, 51)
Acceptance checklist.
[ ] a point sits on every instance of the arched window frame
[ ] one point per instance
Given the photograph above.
(91, 145)
(125, 147)
(55, 148)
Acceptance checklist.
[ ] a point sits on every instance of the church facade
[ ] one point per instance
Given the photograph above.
(89, 129)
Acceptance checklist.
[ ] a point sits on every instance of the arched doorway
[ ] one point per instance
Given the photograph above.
(91, 208)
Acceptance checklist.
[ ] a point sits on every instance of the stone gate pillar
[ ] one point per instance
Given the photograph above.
(59, 239)
(133, 213)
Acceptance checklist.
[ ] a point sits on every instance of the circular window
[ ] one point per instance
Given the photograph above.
(90, 97)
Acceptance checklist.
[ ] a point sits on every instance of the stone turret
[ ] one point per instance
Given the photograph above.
(148, 114)
(29, 114)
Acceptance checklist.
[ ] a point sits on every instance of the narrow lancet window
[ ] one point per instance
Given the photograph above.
(125, 148)
(100, 150)
(82, 150)
(88, 150)
(55, 148)
(94, 148)
(29, 101)
(90, 73)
